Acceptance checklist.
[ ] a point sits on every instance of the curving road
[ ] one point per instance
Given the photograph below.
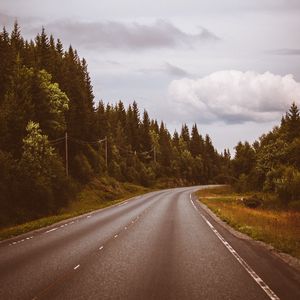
(161, 245)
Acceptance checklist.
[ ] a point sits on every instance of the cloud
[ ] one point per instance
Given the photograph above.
(119, 35)
(166, 68)
(285, 51)
(174, 70)
(233, 97)
(28, 22)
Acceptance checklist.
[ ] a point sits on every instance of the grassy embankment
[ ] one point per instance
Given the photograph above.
(269, 223)
(98, 194)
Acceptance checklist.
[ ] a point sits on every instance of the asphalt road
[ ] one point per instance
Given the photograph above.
(162, 245)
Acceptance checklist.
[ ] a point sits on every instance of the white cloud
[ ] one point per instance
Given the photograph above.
(285, 51)
(234, 97)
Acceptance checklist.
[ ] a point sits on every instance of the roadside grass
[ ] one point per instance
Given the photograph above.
(275, 226)
(100, 193)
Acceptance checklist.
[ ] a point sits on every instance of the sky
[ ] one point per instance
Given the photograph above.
(230, 66)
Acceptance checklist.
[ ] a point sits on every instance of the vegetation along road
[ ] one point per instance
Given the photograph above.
(161, 245)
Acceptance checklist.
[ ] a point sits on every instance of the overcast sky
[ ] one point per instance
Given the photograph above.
(231, 66)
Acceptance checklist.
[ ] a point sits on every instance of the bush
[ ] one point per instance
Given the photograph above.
(252, 202)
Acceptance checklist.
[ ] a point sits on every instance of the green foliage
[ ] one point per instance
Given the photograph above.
(45, 176)
(244, 159)
(287, 185)
(57, 100)
(8, 167)
(272, 164)
(37, 152)
(82, 168)
(46, 91)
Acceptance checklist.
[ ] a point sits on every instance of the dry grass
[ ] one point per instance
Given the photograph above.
(280, 228)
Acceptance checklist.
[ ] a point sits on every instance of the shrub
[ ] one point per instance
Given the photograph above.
(252, 202)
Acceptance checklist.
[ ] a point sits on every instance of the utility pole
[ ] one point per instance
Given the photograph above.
(66, 150)
(106, 152)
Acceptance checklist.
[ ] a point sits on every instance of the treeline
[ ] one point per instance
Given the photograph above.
(45, 91)
(272, 164)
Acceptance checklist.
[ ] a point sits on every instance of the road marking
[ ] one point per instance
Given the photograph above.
(72, 222)
(194, 204)
(88, 216)
(75, 268)
(123, 203)
(249, 270)
(53, 229)
(116, 236)
(125, 227)
(20, 241)
(101, 248)
(191, 196)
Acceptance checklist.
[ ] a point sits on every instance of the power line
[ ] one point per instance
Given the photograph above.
(57, 140)
(67, 138)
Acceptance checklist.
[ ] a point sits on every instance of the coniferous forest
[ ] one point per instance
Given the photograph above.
(46, 100)
(55, 136)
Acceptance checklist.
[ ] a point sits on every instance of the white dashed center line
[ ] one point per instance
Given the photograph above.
(53, 229)
(75, 268)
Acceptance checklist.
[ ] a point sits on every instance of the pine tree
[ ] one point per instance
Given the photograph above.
(6, 63)
(146, 143)
(16, 40)
(185, 135)
(196, 142)
(291, 123)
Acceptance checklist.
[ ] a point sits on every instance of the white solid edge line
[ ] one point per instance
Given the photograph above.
(76, 267)
(53, 229)
(194, 205)
(249, 270)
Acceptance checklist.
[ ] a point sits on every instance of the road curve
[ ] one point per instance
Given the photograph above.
(161, 245)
